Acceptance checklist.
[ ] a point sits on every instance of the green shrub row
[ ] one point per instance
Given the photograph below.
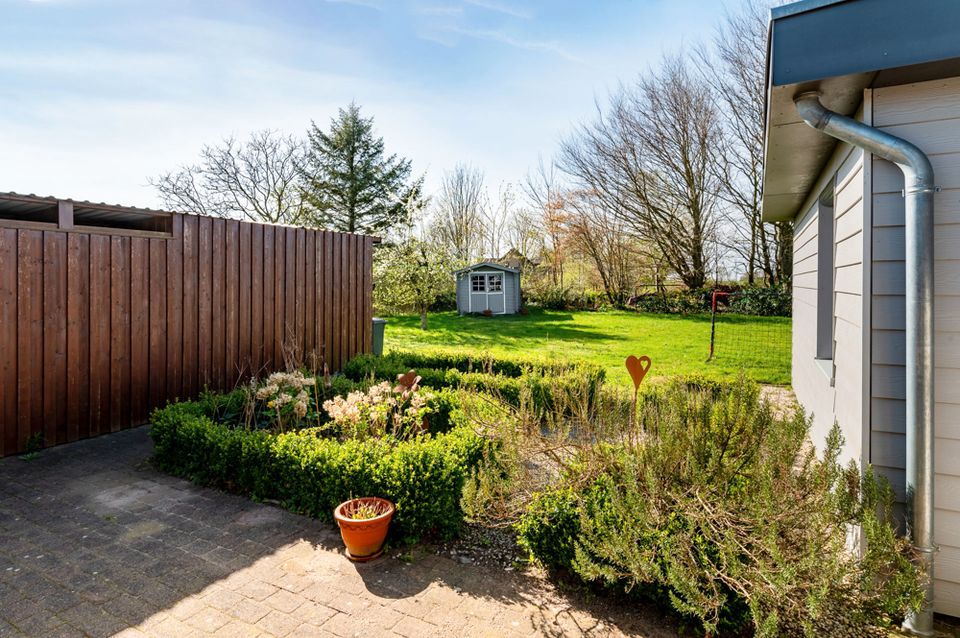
(763, 302)
(544, 388)
(399, 361)
(309, 474)
(749, 300)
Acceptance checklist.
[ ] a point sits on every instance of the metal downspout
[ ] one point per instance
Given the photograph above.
(918, 223)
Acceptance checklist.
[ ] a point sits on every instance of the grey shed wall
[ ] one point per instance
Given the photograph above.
(463, 289)
(511, 292)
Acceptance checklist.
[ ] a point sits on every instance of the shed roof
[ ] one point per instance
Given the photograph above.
(487, 264)
(841, 47)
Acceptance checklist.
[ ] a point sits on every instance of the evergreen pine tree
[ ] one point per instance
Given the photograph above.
(349, 182)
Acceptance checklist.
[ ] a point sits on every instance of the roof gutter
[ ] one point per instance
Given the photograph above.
(918, 221)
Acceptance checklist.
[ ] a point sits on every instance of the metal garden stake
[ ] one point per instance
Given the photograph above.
(637, 367)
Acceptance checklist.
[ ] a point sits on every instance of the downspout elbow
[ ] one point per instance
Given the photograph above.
(915, 164)
(811, 110)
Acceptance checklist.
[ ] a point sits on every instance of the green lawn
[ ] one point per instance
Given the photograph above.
(675, 344)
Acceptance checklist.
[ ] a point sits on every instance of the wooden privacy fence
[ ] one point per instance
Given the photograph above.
(98, 327)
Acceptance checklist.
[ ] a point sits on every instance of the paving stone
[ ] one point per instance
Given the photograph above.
(188, 607)
(315, 613)
(250, 610)
(415, 628)
(278, 623)
(93, 620)
(283, 601)
(208, 620)
(238, 629)
(95, 542)
(256, 589)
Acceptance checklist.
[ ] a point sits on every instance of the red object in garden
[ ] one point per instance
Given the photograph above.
(637, 367)
(364, 537)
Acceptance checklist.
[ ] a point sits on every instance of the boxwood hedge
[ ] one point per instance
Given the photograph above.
(311, 474)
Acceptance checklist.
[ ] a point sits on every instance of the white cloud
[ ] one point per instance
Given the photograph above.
(527, 44)
(497, 7)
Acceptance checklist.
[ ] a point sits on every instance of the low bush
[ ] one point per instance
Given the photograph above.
(675, 302)
(446, 300)
(763, 302)
(717, 504)
(311, 474)
(400, 361)
(549, 297)
(545, 388)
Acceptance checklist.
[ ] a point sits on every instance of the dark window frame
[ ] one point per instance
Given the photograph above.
(826, 272)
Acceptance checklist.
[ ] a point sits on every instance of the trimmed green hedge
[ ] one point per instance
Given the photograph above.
(547, 386)
(399, 361)
(424, 477)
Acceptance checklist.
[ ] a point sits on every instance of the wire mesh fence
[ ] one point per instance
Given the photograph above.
(760, 345)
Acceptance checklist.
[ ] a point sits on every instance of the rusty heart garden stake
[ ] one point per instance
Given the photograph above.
(637, 367)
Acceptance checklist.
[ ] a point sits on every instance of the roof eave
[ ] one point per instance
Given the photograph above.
(840, 48)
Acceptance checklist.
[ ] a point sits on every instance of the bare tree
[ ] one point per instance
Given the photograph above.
(544, 194)
(650, 157)
(735, 69)
(496, 215)
(256, 180)
(525, 232)
(600, 236)
(459, 212)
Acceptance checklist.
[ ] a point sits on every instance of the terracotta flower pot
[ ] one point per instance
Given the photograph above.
(364, 537)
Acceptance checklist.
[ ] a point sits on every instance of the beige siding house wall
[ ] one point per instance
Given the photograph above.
(824, 386)
(927, 114)
(871, 231)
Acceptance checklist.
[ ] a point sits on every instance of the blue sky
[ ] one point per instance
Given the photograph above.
(96, 96)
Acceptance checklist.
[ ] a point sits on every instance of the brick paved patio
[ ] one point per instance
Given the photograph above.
(95, 542)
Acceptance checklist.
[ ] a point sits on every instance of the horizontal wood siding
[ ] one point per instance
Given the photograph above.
(812, 377)
(96, 330)
(927, 114)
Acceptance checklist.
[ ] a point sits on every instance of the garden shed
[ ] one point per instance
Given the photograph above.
(488, 286)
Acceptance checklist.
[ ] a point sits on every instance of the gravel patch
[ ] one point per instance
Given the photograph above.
(486, 546)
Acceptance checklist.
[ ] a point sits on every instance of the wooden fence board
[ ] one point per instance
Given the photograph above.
(367, 294)
(232, 314)
(335, 307)
(29, 334)
(300, 293)
(175, 298)
(99, 334)
(190, 271)
(310, 299)
(207, 256)
(54, 337)
(78, 336)
(269, 283)
(328, 299)
(119, 333)
(139, 329)
(8, 340)
(256, 299)
(97, 330)
(291, 346)
(157, 281)
(218, 306)
(243, 302)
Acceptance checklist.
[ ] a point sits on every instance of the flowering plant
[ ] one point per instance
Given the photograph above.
(400, 410)
(290, 398)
